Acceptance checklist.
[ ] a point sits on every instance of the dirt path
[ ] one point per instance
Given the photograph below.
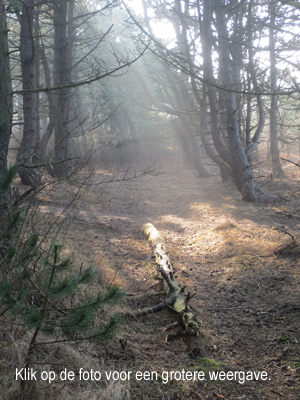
(248, 297)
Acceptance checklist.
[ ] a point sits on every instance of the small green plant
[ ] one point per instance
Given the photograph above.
(43, 290)
(44, 294)
(284, 339)
(209, 364)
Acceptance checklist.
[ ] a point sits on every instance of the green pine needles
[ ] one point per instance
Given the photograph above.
(42, 291)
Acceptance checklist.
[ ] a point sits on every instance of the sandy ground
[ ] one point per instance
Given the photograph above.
(238, 258)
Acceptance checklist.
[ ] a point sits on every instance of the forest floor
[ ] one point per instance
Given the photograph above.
(241, 260)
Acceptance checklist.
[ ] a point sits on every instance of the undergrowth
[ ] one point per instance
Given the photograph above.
(51, 312)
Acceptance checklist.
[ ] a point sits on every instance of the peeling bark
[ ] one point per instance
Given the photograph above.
(175, 294)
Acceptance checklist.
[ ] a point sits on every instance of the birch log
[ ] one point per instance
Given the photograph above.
(186, 317)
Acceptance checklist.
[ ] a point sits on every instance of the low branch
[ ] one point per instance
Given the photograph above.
(48, 164)
(269, 180)
(290, 161)
(155, 309)
(81, 83)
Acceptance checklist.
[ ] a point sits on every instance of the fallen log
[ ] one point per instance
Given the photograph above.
(174, 292)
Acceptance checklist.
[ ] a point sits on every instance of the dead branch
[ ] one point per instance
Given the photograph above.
(186, 317)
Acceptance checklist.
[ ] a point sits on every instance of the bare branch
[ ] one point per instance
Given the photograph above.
(81, 83)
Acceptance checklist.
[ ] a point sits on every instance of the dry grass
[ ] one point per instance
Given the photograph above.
(236, 257)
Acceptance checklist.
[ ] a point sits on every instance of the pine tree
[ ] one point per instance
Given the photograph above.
(43, 292)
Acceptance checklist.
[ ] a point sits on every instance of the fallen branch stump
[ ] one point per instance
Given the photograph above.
(175, 294)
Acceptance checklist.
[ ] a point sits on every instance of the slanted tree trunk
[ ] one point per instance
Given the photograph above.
(229, 146)
(208, 140)
(29, 176)
(186, 317)
(241, 169)
(6, 109)
(273, 110)
(208, 73)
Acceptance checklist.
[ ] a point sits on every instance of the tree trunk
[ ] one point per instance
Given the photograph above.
(36, 157)
(195, 148)
(61, 135)
(230, 150)
(6, 109)
(181, 34)
(207, 141)
(241, 170)
(29, 176)
(275, 158)
(248, 115)
(50, 96)
(261, 113)
(215, 124)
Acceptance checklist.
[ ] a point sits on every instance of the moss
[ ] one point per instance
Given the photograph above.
(284, 339)
(297, 365)
(210, 363)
